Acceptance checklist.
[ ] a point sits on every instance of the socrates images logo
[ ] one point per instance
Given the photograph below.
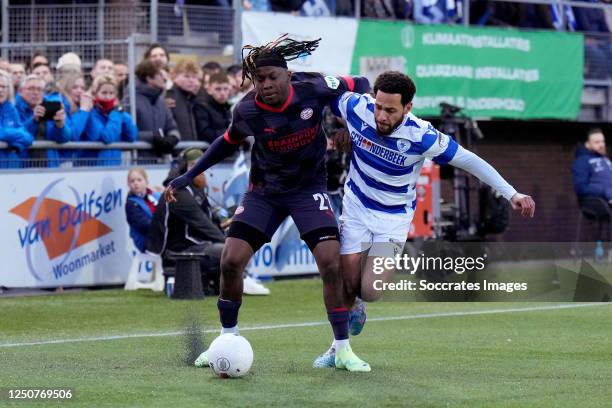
(61, 227)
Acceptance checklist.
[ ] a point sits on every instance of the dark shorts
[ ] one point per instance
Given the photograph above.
(310, 211)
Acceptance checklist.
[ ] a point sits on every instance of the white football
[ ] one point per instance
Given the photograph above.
(230, 355)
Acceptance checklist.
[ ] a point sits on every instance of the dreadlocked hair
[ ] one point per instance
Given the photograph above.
(284, 47)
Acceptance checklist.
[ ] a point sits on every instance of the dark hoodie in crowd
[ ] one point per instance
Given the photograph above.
(153, 119)
(592, 174)
(212, 118)
(179, 225)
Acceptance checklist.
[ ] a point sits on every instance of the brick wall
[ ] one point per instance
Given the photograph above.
(536, 158)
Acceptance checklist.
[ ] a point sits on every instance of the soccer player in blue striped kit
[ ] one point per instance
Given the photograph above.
(287, 178)
(389, 146)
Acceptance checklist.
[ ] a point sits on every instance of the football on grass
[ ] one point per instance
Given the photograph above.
(230, 355)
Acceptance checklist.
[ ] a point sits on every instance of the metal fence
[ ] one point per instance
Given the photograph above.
(88, 51)
(71, 154)
(167, 23)
(77, 22)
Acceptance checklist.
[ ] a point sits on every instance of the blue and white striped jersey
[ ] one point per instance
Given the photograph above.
(384, 169)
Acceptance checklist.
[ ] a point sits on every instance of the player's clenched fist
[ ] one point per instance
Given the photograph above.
(524, 203)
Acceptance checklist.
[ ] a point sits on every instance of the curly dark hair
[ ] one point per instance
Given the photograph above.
(395, 82)
(283, 47)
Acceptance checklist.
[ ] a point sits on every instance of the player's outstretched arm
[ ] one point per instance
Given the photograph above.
(475, 165)
(218, 150)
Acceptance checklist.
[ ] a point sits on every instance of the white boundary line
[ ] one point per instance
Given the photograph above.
(312, 324)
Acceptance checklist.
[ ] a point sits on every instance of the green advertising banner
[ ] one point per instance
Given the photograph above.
(502, 73)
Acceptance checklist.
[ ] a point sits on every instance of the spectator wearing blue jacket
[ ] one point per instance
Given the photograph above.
(11, 130)
(140, 206)
(592, 169)
(31, 114)
(73, 88)
(80, 103)
(107, 123)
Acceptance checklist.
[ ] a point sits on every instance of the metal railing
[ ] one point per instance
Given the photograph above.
(130, 154)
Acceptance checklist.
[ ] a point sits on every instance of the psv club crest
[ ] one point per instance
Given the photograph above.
(306, 113)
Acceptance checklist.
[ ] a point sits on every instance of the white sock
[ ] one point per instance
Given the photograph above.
(338, 344)
(231, 330)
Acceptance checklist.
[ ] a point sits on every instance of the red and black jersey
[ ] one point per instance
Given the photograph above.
(289, 149)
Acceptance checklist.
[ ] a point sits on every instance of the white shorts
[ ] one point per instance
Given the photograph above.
(364, 229)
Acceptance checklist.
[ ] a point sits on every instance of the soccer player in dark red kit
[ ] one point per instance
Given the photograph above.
(288, 178)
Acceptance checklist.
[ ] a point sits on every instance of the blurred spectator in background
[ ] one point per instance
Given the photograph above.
(494, 13)
(157, 54)
(182, 96)
(102, 66)
(385, 8)
(234, 75)
(256, 5)
(81, 102)
(11, 131)
(68, 64)
(35, 118)
(107, 122)
(122, 75)
(38, 58)
(44, 72)
(592, 169)
(5, 65)
(211, 67)
(284, 6)
(316, 8)
(212, 111)
(154, 119)
(140, 206)
(17, 71)
(121, 71)
(537, 16)
(54, 92)
(431, 11)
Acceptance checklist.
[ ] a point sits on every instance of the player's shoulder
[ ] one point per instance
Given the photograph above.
(315, 81)
(416, 129)
(358, 104)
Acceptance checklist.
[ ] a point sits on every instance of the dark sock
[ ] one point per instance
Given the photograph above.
(339, 319)
(228, 312)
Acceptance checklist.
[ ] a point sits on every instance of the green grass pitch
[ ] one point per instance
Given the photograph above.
(434, 355)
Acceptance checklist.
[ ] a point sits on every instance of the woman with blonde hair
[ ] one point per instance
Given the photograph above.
(107, 122)
(72, 86)
(11, 131)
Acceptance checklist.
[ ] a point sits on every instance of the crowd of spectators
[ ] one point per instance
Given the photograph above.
(482, 12)
(57, 101)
